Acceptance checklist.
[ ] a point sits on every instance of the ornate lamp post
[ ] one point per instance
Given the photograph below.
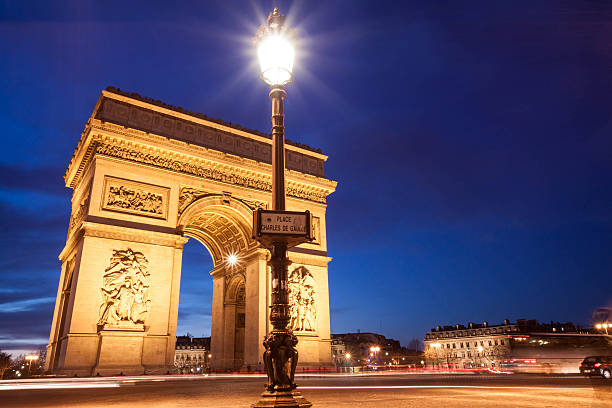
(278, 229)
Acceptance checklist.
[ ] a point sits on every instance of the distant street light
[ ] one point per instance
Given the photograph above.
(604, 326)
(30, 358)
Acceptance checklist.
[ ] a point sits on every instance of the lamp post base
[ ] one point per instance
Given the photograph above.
(285, 399)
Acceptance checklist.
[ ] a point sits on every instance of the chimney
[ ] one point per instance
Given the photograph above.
(506, 322)
(438, 328)
(485, 324)
(471, 325)
(457, 326)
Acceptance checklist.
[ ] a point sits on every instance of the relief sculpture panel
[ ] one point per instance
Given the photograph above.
(125, 290)
(135, 198)
(302, 300)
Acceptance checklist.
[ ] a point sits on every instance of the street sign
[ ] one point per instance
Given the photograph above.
(293, 227)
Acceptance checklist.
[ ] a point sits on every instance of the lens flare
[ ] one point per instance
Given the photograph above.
(232, 260)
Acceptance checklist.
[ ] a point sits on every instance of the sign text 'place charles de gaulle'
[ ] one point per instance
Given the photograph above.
(269, 224)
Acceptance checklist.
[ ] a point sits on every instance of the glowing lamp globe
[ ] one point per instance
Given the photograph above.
(275, 51)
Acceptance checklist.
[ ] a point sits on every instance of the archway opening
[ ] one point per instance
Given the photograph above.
(195, 298)
(192, 353)
(222, 226)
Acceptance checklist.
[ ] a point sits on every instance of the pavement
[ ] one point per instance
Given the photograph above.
(337, 391)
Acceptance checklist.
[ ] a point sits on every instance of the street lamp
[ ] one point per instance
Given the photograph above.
(375, 349)
(30, 358)
(604, 326)
(276, 53)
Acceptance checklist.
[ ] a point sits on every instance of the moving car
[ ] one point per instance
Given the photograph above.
(597, 365)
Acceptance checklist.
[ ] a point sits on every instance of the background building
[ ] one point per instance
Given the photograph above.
(522, 346)
(372, 350)
(192, 354)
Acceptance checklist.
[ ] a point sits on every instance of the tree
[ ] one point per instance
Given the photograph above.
(496, 354)
(437, 355)
(5, 363)
(30, 367)
(414, 344)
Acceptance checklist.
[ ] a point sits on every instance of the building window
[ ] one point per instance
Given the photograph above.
(467, 344)
(496, 342)
(461, 344)
(490, 343)
(502, 342)
(454, 345)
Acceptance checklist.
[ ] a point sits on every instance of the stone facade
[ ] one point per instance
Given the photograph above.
(523, 346)
(142, 186)
(192, 355)
(477, 345)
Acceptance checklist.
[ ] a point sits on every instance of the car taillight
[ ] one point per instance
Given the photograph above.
(597, 365)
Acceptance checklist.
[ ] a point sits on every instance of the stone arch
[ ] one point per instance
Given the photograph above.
(235, 317)
(234, 292)
(222, 224)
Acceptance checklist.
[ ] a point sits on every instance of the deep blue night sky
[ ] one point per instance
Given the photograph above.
(471, 142)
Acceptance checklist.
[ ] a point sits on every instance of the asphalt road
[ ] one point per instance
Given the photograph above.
(448, 391)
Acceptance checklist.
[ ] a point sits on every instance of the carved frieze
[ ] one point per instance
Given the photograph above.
(135, 198)
(188, 195)
(208, 172)
(78, 215)
(125, 291)
(316, 230)
(302, 301)
(254, 204)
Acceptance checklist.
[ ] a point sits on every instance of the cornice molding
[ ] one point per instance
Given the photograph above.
(220, 167)
(92, 229)
(308, 259)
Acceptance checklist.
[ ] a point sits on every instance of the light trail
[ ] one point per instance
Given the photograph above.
(43, 386)
(119, 381)
(394, 387)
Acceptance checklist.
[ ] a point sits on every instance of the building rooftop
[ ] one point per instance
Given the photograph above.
(193, 342)
(520, 326)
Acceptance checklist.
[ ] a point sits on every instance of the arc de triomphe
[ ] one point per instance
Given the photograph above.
(145, 177)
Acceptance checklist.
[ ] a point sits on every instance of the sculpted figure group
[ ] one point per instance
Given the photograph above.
(123, 197)
(280, 359)
(302, 300)
(125, 289)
